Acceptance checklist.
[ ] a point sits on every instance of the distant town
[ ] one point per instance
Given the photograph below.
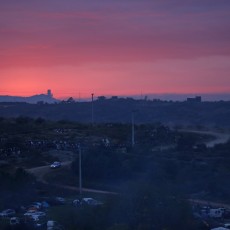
(101, 109)
(50, 99)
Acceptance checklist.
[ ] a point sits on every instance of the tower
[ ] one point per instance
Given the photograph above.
(49, 93)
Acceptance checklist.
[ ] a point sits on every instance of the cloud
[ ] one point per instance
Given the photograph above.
(52, 33)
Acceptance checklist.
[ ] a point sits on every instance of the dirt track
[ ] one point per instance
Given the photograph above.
(220, 138)
(40, 172)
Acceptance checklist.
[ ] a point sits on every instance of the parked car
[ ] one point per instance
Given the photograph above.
(38, 205)
(14, 221)
(56, 164)
(91, 201)
(7, 213)
(36, 220)
(38, 216)
(60, 200)
(54, 225)
(33, 208)
(216, 213)
(227, 225)
(34, 214)
(77, 203)
(45, 204)
(30, 212)
(52, 201)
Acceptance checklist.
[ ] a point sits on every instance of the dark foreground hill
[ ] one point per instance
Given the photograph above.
(120, 111)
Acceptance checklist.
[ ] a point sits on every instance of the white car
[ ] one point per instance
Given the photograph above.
(91, 201)
(60, 200)
(7, 212)
(34, 213)
(56, 164)
(30, 212)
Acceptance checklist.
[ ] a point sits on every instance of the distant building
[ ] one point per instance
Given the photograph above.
(101, 98)
(49, 94)
(194, 99)
(114, 98)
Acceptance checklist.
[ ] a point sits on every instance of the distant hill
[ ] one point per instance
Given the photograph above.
(42, 98)
(119, 110)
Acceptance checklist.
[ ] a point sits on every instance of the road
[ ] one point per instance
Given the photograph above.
(220, 138)
(40, 172)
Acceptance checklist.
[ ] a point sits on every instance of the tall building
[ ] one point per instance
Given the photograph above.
(49, 93)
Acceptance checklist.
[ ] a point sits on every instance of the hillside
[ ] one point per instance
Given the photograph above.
(40, 98)
(214, 114)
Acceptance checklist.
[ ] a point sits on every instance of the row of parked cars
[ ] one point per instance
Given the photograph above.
(32, 215)
(7, 213)
(35, 213)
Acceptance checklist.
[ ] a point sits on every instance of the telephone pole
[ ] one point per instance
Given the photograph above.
(133, 134)
(80, 176)
(92, 118)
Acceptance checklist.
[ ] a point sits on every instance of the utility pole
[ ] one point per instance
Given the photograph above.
(133, 134)
(80, 176)
(92, 118)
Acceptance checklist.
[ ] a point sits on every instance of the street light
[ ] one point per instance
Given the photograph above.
(80, 175)
(133, 131)
(92, 118)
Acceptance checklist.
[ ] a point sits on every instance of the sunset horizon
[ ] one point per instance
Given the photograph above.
(218, 96)
(114, 47)
(114, 114)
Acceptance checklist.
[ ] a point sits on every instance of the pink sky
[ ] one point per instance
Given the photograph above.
(114, 47)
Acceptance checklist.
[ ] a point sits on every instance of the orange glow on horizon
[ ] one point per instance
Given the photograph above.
(130, 78)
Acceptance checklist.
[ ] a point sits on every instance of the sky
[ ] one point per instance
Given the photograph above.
(114, 47)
